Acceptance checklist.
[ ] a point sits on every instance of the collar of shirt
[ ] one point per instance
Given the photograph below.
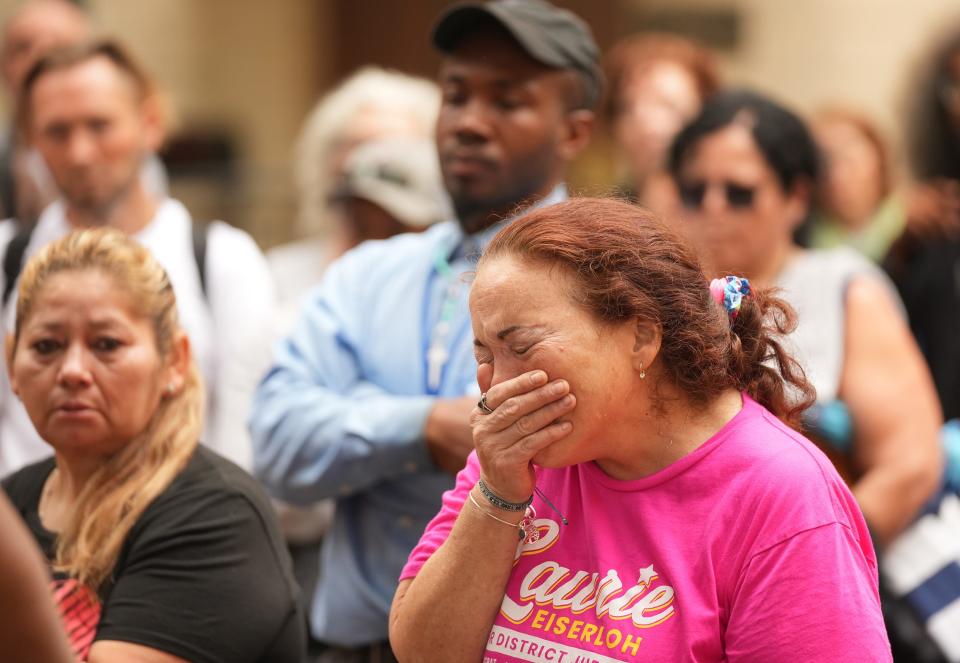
(471, 246)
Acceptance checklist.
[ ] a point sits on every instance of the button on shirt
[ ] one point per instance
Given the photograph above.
(342, 410)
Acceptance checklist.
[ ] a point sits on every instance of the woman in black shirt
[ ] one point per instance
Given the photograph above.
(162, 551)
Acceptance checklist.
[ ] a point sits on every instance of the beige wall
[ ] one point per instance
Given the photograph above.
(816, 52)
(247, 63)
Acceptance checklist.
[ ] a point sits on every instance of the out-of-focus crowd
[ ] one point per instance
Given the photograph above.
(338, 374)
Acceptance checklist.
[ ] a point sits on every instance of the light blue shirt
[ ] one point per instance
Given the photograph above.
(342, 410)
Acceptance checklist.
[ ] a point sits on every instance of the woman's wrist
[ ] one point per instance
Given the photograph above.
(494, 498)
(479, 504)
(522, 521)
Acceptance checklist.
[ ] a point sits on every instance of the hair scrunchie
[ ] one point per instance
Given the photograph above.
(729, 293)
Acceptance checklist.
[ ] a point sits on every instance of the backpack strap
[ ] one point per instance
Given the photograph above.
(13, 261)
(199, 233)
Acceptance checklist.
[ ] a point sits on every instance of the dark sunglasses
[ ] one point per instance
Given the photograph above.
(738, 196)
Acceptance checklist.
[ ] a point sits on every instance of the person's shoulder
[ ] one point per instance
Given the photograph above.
(863, 284)
(208, 489)
(843, 261)
(8, 228)
(207, 472)
(397, 252)
(24, 484)
(209, 492)
(770, 484)
(233, 259)
(224, 237)
(819, 275)
(307, 251)
(777, 468)
(389, 265)
(771, 445)
(298, 266)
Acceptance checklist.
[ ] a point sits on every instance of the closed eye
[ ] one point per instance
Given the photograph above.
(508, 103)
(99, 126)
(106, 344)
(482, 355)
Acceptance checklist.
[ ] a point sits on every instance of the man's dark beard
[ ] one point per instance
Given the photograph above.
(476, 215)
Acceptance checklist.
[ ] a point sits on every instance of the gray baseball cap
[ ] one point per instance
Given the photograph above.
(400, 175)
(550, 35)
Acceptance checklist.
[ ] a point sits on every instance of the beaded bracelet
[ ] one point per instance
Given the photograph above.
(527, 530)
(501, 503)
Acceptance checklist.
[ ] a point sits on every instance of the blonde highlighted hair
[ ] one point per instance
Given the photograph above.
(116, 494)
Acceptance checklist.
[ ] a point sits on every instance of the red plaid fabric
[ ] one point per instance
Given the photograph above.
(80, 611)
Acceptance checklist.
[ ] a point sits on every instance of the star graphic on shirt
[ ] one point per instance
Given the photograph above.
(647, 575)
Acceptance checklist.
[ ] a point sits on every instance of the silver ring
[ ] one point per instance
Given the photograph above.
(482, 404)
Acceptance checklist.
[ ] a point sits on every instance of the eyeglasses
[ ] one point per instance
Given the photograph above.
(738, 197)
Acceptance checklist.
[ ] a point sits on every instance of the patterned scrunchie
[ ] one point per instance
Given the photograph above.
(729, 292)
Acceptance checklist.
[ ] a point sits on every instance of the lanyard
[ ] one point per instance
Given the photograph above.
(437, 340)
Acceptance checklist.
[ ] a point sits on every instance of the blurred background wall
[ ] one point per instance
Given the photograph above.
(242, 74)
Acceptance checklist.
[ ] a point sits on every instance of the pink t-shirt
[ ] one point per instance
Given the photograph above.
(751, 548)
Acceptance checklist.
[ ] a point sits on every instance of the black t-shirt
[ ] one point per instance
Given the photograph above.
(203, 574)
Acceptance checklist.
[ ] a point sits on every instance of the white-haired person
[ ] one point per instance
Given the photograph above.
(162, 550)
(370, 105)
(367, 168)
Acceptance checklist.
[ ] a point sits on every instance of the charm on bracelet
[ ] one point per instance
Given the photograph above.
(529, 532)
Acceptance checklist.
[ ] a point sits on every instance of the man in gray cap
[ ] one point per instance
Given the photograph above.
(368, 400)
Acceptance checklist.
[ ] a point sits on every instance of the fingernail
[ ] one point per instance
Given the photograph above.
(567, 400)
(537, 377)
(558, 387)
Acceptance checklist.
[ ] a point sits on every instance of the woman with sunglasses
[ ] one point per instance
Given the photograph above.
(746, 169)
